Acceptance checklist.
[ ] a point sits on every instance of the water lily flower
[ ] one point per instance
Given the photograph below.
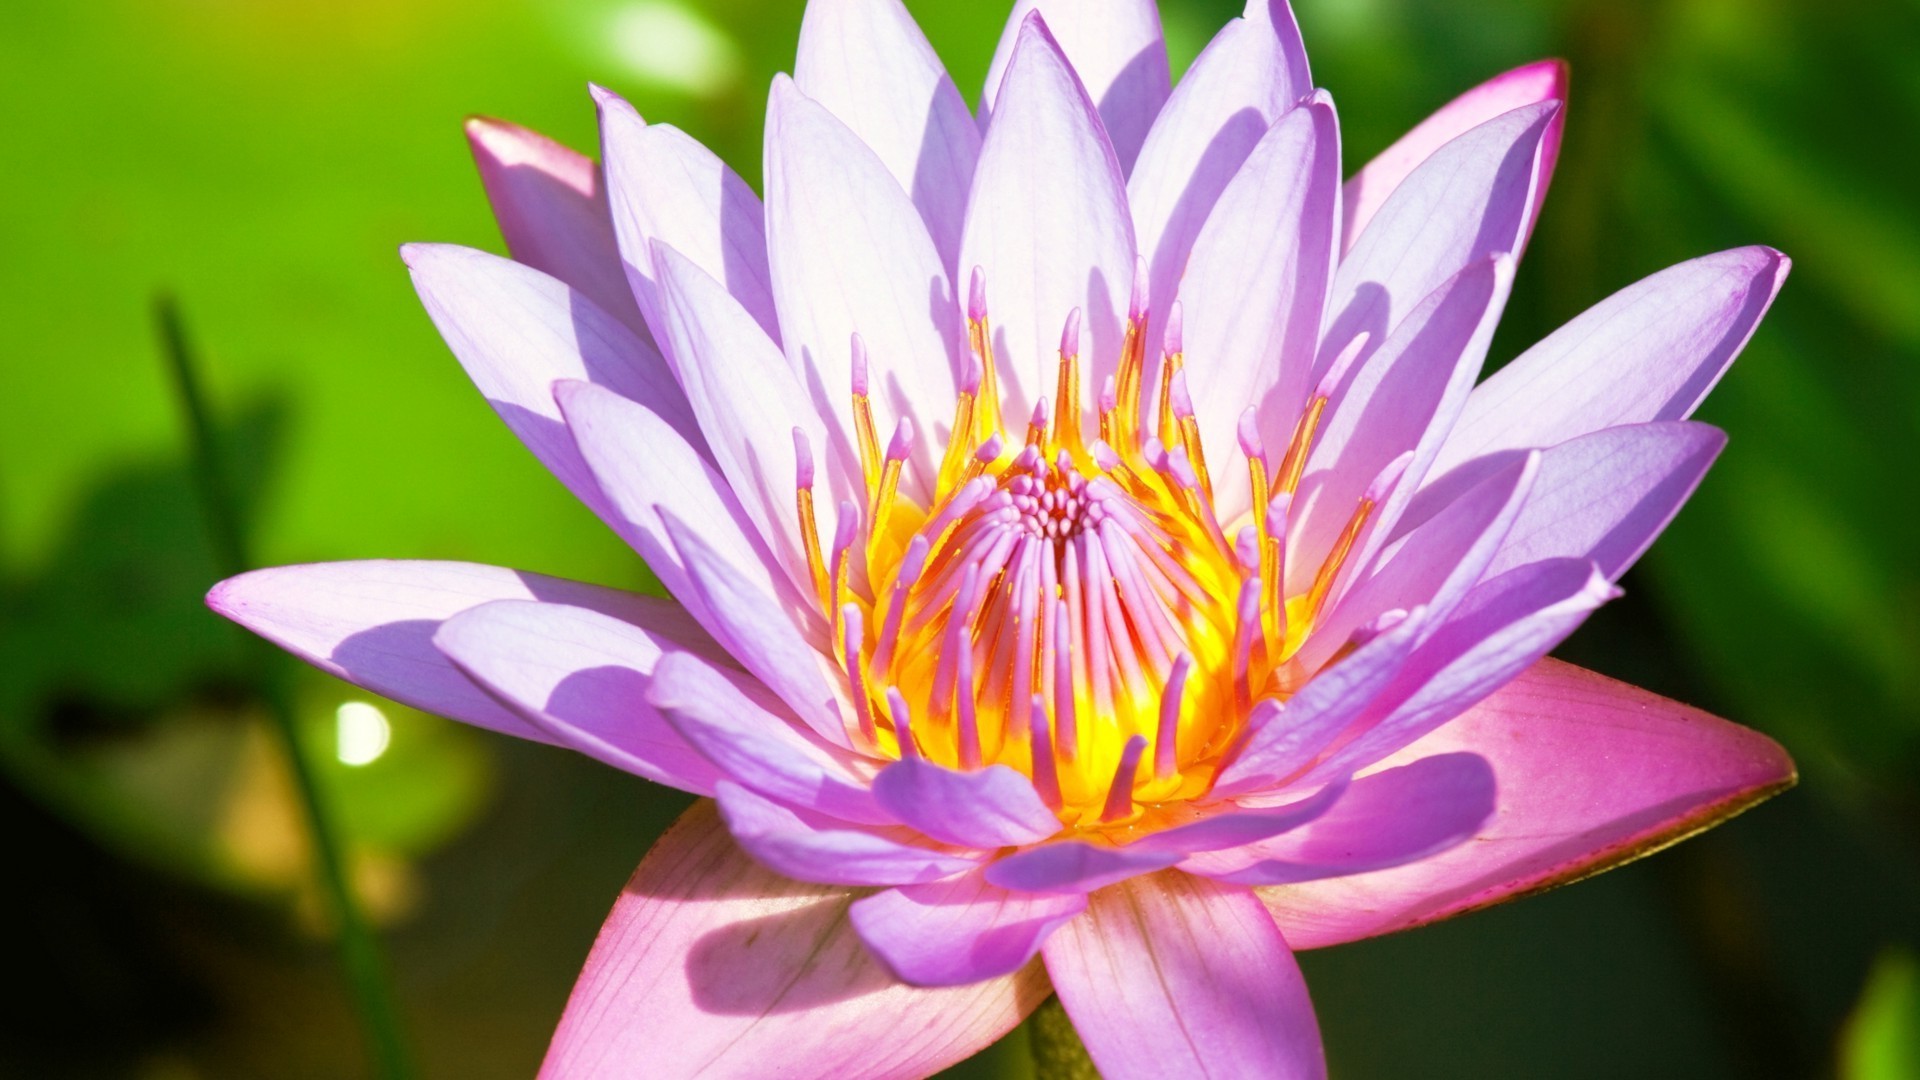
(1094, 566)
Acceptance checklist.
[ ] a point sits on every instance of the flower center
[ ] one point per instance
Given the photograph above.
(1070, 605)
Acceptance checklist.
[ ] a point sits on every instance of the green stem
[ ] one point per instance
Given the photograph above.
(1058, 1053)
(360, 954)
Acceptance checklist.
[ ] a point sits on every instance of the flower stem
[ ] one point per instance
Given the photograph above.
(360, 954)
(1058, 1053)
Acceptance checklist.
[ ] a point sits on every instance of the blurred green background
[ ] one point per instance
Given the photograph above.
(260, 160)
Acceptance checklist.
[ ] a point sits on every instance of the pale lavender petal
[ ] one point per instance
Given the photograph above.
(1472, 199)
(1253, 71)
(648, 471)
(991, 807)
(1233, 826)
(1074, 866)
(1291, 735)
(870, 65)
(1255, 288)
(1649, 352)
(552, 211)
(516, 331)
(850, 254)
(1048, 223)
(1498, 631)
(1114, 46)
(1433, 566)
(1403, 397)
(581, 677)
(1605, 496)
(1591, 773)
(958, 931)
(372, 624)
(1543, 80)
(749, 402)
(712, 965)
(811, 847)
(773, 650)
(1388, 818)
(664, 187)
(1174, 975)
(742, 729)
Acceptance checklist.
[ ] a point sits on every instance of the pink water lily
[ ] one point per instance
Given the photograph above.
(1094, 566)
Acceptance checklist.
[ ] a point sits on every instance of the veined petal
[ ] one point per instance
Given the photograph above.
(1174, 975)
(372, 624)
(1256, 286)
(811, 847)
(1605, 496)
(960, 930)
(1232, 826)
(711, 964)
(869, 64)
(1404, 397)
(664, 187)
(1472, 199)
(1591, 773)
(1253, 71)
(1498, 631)
(850, 254)
(1649, 352)
(516, 331)
(1114, 46)
(647, 470)
(741, 729)
(1048, 223)
(1388, 818)
(1074, 866)
(581, 677)
(749, 402)
(1543, 80)
(987, 808)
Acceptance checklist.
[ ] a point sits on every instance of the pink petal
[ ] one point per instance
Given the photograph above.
(812, 847)
(516, 331)
(581, 677)
(713, 965)
(1605, 496)
(958, 931)
(1173, 975)
(1068, 867)
(372, 624)
(1255, 288)
(1543, 80)
(850, 255)
(870, 65)
(1048, 223)
(1433, 566)
(1252, 71)
(1389, 818)
(1116, 49)
(1403, 397)
(648, 471)
(773, 650)
(1592, 773)
(1649, 352)
(987, 808)
(1233, 825)
(749, 402)
(664, 187)
(744, 731)
(552, 211)
(1498, 631)
(1472, 199)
